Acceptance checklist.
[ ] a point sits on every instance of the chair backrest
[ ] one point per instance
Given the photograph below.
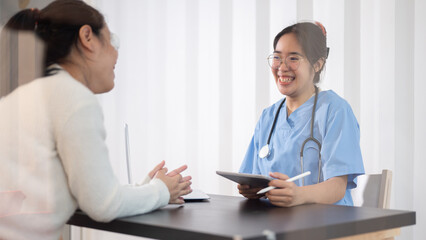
(373, 190)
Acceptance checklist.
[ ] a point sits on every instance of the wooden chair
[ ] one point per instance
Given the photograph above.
(373, 190)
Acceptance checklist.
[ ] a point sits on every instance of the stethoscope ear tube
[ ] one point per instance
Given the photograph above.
(265, 150)
(311, 138)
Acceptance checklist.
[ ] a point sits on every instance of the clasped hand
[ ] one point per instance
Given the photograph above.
(177, 185)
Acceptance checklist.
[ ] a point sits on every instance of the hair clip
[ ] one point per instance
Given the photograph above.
(322, 27)
(36, 17)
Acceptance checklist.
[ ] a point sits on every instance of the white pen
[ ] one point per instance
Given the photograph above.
(288, 180)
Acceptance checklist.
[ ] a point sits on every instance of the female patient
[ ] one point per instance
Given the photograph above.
(52, 141)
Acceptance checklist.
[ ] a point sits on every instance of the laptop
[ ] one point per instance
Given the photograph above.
(196, 194)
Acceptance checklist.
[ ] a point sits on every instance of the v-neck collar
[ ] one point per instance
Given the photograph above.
(301, 112)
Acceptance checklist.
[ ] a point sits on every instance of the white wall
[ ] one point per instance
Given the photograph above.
(418, 115)
(192, 80)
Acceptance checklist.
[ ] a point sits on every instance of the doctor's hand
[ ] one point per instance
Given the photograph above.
(287, 194)
(177, 185)
(249, 192)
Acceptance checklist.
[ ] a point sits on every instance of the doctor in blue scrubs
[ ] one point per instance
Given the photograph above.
(307, 130)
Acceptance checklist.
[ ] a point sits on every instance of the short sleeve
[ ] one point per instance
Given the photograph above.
(249, 164)
(341, 152)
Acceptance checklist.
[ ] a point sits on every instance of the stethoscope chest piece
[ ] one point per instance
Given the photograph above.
(264, 151)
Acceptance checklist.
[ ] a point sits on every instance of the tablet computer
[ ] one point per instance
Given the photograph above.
(253, 180)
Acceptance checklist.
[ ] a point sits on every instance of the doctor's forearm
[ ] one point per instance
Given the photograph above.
(327, 192)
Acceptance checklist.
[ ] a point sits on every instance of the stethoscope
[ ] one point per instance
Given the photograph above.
(265, 151)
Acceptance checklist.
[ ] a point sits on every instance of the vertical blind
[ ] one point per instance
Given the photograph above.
(192, 80)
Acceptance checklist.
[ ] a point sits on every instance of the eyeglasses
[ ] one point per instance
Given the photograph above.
(292, 61)
(115, 41)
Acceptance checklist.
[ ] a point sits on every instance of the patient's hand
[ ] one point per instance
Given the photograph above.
(177, 185)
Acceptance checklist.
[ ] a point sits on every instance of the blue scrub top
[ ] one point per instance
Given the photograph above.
(335, 127)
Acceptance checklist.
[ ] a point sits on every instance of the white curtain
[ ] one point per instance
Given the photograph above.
(192, 80)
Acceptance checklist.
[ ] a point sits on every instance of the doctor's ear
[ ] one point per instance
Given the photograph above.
(319, 64)
(86, 37)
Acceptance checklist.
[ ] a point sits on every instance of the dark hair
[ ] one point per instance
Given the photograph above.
(58, 25)
(313, 39)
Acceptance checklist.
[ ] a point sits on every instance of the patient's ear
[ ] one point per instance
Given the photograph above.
(86, 38)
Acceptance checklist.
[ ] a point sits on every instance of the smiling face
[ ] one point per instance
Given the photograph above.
(293, 82)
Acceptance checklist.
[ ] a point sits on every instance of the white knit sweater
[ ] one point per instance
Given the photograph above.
(53, 160)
